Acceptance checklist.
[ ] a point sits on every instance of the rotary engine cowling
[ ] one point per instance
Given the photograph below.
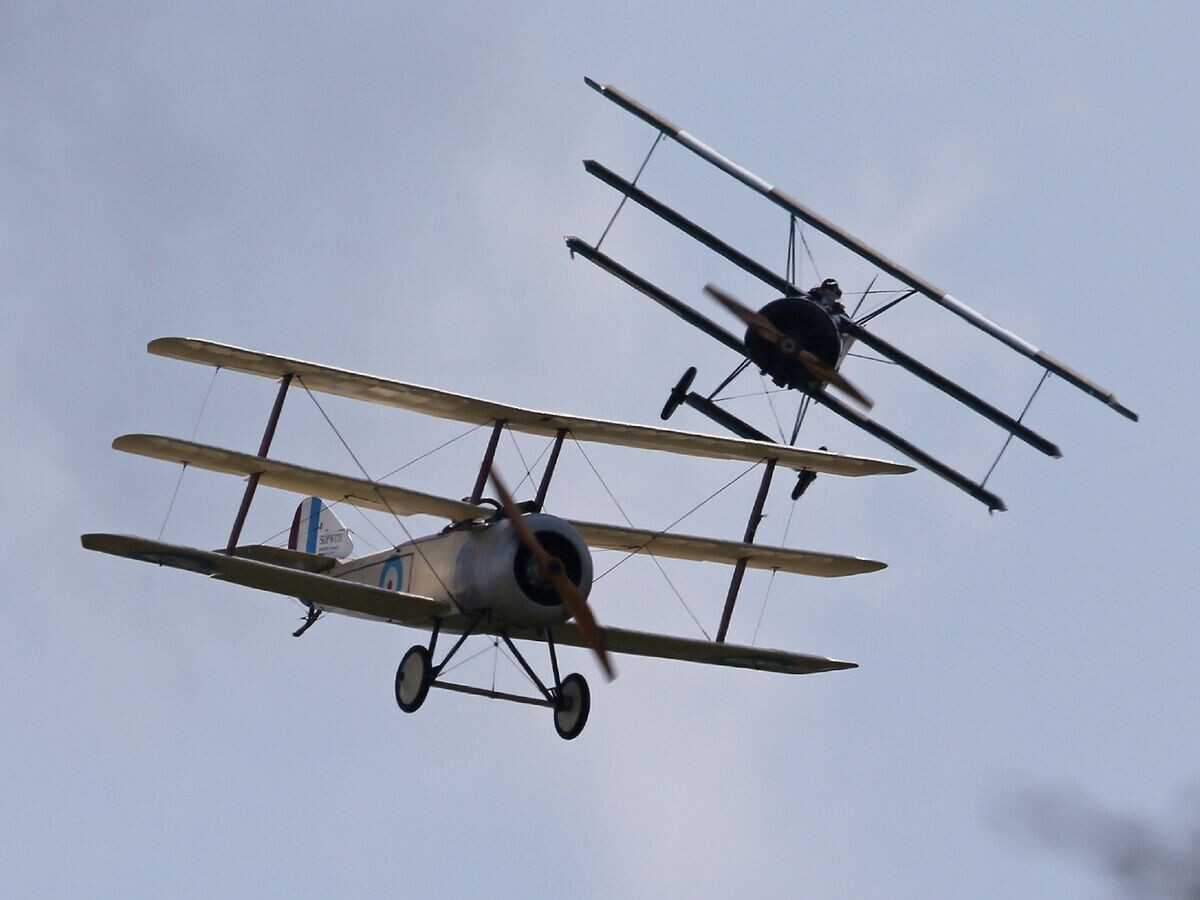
(810, 326)
(494, 570)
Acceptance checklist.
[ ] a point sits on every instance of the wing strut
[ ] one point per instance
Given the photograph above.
(263, 447)
(860, 247)
(739, 569)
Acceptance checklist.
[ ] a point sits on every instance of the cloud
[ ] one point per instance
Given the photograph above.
(1134, 855)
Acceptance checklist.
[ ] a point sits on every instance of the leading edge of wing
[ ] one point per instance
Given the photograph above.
(665, 646)
(320, 590)
(475, 411)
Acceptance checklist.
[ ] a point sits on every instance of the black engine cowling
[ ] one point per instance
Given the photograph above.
(810, 326)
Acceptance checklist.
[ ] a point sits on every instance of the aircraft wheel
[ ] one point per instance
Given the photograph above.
(413, 678)
(574, 704)
(678, 394)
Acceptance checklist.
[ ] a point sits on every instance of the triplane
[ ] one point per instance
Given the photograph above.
(499, 567)
(802, 338)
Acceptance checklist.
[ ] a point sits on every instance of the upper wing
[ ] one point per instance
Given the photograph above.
(401, 501)
(462, 408)
(320, 590)
(701, 549)
(665, 646)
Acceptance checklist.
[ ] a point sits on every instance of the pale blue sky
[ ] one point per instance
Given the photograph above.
(386, 189)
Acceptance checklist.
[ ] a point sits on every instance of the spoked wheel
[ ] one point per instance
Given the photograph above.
(574, 704)
(413, 678)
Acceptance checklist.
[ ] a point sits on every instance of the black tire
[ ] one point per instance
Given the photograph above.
(414, 675)
(574, 704)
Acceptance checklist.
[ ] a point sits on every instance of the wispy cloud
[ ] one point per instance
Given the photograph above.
(1135, 855)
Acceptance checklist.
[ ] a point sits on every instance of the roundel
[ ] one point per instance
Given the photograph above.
(391, 576)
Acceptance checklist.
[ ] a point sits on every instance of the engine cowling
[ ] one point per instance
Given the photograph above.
(810, 326)
(495, 571)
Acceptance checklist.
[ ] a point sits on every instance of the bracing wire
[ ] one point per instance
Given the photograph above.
(801, 412)
(644, 547)
(771, 583)
(420, 550)
(658, 137)
(401, 468)
(1008, 440)
(774, 413)
(183, 467)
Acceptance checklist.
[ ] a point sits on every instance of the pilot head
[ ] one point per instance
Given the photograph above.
(829, 288)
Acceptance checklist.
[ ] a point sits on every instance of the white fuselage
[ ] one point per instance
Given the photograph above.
(480, 568)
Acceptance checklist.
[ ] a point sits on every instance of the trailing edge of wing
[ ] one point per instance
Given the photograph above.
(700, 549)
(664, 646)
(401, 501)
(463, 408)
(320, 590)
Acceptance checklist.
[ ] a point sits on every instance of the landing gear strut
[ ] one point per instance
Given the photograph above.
(569, 698)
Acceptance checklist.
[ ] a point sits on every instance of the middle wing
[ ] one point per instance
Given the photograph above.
(401, 501)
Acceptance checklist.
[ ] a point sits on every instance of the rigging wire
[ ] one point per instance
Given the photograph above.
(790, 273)
(811, 261)
(371, 522)
(801, 412)
(771, 403)
(658, 137)
(528, 472)
(644, 547)
(1008, 440)
(876, 359)
(420, 550)
(884, 308)
(770, 584)
(183, 466)
(861, 299)
(753, 394)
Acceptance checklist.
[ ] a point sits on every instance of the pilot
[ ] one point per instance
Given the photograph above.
(828, 295)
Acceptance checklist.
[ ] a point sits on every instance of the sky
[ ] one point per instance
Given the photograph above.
(386, 188)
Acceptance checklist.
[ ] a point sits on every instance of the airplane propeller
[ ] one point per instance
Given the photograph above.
(553, 571)
(767, 330)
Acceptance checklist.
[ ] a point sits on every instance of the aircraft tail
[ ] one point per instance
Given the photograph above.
(315, 529)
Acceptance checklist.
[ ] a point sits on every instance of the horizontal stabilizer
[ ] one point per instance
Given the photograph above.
(462, 408)
(665, 646)
(401, 501)
(321, 591)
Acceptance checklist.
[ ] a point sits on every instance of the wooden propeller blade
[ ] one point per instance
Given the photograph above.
(554, 572)
(768, 331)
(755, 320)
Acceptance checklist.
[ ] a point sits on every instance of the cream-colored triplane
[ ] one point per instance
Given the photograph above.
(499, 568)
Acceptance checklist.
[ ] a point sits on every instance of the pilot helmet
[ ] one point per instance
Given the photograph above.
(830, 286)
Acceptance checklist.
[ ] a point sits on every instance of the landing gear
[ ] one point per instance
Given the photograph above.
(573, 703)
(678, 393)
(414, 677)
(569, 699)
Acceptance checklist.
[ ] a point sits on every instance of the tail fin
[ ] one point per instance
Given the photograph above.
(315, 529)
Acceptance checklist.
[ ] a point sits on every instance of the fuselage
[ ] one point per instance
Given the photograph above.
(481, 567)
